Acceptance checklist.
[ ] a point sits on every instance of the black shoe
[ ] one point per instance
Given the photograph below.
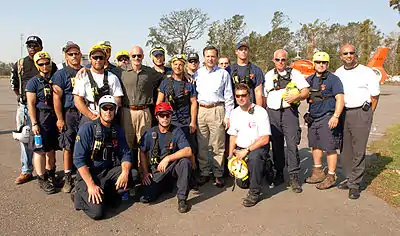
(278, 180)
(183, 206)
(202, 180)
(52, 178)
(251, 199)
(354, 193)
(46, 185)
(343, 185)
(294, 183)
(219, 182)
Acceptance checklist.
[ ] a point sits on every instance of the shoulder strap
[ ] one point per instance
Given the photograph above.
(98, 138)
(93, 83)
(170, 86)
(168, 139)
(105, 78)
(71, 72)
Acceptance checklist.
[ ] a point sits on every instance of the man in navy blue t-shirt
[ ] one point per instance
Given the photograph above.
(68, 116)
(324, 134)
(168, 152)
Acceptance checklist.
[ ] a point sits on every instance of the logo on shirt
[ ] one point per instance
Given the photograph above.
(251, 76)
(171, 145)
(323, 87)
(186, 91)
(252, 124)
(77, 138)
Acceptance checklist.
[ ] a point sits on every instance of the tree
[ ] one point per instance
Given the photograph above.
(5, 68)
(392, 60)
(369, 39)
(309, 35)
(225, 35)
(177, 29)
(395, 4)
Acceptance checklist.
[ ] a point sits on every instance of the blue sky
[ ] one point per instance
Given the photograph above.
(126, 23)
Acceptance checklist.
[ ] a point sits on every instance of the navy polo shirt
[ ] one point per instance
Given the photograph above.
(331, 86)
(256, 75)
(84, 146)
(62, 78)
(182, 115)
(35, 86)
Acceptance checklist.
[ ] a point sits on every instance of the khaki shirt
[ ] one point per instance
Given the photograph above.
(140, 88)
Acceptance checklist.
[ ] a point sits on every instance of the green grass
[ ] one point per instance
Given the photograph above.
(380, 177)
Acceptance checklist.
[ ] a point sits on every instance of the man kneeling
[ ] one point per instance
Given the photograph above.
(165, 153)
(249, 137)
(103, 160)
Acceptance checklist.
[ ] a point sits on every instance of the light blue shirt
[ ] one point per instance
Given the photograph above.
(214, 86)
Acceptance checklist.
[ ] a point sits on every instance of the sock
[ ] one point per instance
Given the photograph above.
(317, 166)
(67, 171)
(331, 173)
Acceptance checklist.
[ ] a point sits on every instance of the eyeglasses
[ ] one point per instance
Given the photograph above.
(241, 95)
(164, 115)
(43, 64)
(123, 59)
(351, 53)
(137, 55)
(280, 59)
(321, 62)
(193, 61)
(108, 108)
(98, 58)
(33, 45)
(73, 54)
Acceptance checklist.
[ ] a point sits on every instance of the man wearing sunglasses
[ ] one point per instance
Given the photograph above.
(361, 94)
(23, 70)
(249, 137)
(104, 162)
(324, 131)
(140, 89)
(193, 64)
(244, 71)
(284, 117)
(122, 59)
(168, 152)
(108, 66)
(68, 116)
(96, 83)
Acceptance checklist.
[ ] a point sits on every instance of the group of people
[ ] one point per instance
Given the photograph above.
(128, 125)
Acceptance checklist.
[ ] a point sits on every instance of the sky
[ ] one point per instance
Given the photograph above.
(126, 23)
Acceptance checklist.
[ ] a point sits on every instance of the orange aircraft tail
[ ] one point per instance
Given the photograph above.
(376, 63)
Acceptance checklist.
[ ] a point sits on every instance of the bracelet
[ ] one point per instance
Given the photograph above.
(35, 124)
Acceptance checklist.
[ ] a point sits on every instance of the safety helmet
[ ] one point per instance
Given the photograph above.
(121, 53)
(23, 134)
(320, 56)
(179, 57)
(108, 100)
(97, 48)
(164, 106)
(238, 168)
(157, 51)
(104, 44)
(41, 55)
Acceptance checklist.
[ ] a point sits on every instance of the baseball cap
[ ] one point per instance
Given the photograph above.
(70, 45)
(241, 44)
(34, 39)
(157, 52)
(193, 56)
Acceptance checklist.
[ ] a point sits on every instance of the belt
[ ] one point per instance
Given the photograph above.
(72, 109)
(352, 108)
(212, 105)
(136, 108)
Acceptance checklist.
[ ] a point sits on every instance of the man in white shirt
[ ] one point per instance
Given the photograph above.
(249, 137)
(284, 117)
(215, 98)
(361, 94)
(94, 84)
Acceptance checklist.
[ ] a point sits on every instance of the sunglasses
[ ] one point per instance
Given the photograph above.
(123, 59)
(280, 59)
(351, 53)
(241, 95)
(108, 108)
(321, 62)
(193, 61)
(164, 115)
(98, 58)
(33, 45)
(73, 54)
(137, 55)
(43, 64)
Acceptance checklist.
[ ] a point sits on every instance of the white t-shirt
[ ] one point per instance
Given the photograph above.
(82, 88)
(249, 127)
(274, 97)
(359, 84)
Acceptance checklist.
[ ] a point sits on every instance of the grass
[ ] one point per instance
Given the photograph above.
(382, 181)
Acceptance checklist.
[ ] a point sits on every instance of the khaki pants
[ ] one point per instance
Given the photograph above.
(135, 123)
(211, 132)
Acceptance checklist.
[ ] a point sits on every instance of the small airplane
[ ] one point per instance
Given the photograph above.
(306, 67)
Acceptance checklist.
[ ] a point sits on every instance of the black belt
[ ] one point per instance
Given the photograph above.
(352, 108)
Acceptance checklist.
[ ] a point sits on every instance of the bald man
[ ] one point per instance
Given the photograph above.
(361, 94)
(140, 83)
(284, 118)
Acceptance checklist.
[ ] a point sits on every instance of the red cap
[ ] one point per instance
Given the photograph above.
(164, 106)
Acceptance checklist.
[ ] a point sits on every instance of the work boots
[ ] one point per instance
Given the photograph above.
(52, 177)
(251, 199)
(317, 176)
(45, 184)
(328, 182)
(68, 183)
(294, 183)
(183, 207)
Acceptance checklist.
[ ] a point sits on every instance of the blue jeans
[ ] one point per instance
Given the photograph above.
(26, 153)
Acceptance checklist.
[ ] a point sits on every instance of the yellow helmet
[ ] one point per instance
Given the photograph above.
(97, 48)
(157, 50)
(41, 55)
(121, 53)
(238, 168)
(320, 56)
(104, 44)
(180, 57)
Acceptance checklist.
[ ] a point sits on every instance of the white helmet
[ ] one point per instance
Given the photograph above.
(108, 100)
(23, 134)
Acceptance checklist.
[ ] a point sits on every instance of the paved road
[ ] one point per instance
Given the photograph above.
(26, 210)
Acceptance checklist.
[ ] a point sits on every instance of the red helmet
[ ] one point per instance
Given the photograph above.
(164, 106)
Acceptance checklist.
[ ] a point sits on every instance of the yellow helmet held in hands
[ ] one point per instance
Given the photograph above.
(320, 56)
(41, 55)
(238, 168)
(121, 53)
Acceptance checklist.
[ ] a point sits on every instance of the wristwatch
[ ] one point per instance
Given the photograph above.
(336, 115)
(248, 149)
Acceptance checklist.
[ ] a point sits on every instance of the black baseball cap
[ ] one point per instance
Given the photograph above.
(34, 39)
(193, 56)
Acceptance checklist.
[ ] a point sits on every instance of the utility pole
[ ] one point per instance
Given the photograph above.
(22, 45)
